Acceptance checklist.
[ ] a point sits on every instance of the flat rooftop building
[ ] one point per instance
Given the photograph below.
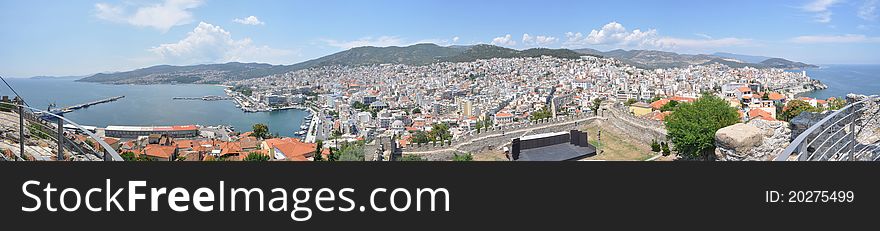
(560, 146)
(186, 131)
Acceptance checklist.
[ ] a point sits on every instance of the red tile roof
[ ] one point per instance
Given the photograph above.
(503, 114)
(760, 114)
(776, 96)
(158, 151)
(292, 149)
(661, 116)
(683, 99)
(656, 105)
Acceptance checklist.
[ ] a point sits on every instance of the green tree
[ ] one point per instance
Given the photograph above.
(318, 149)
(664, 147)
(336, 134)
(655, 147)
(595, 106)
(463, 157)
(360, 106)
(794, 108)
(655, 99)
(128, 156)
(541, 114)
(255, 156)
(332, 156)
(440, 131)
(416, 111)
(669, 106)
(836, 103)
(420, 137)
(766, 96)
(691, 128)
(630, 102)
(261, 131)
(351, 152)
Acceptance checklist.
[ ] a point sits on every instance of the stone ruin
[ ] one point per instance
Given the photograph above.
(757, 140)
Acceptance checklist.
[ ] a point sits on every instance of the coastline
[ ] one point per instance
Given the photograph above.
(153, 105)
(843, 79)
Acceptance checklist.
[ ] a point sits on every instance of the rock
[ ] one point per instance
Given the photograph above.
(739, 136)
(757, 140)
(805, 120)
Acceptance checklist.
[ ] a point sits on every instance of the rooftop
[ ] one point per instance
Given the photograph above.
(557, 152)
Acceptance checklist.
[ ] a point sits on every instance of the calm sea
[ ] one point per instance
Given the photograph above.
(845, 79)
(149, 105)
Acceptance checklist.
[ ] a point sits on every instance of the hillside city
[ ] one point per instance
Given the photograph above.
(360, 111)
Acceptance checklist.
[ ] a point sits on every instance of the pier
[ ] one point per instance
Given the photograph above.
(61, 111)
(85, 105)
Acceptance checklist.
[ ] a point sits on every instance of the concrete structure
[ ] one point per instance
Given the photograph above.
(560, 146)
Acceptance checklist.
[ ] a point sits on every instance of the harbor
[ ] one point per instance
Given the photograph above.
(152, 105)
(204, 98)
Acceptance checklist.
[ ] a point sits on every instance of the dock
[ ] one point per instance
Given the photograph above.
(61, 111)
(85, 105)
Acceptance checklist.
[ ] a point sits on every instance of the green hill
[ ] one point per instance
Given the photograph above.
(419, 54)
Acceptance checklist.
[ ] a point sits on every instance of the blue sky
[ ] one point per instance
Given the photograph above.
(80, 37)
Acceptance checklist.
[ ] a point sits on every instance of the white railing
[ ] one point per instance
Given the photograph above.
(835, 137)
(54, 131)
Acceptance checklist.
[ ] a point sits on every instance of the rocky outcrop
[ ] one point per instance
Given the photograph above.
(757, 140)
(869, 118)
(805, 120)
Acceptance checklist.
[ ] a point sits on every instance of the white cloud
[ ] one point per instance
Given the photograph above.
(250, 20)
(868, 10)
(211, 44)
(527, 39)
(705, 36)
(691, 44)
(821, 8)
(612, 33)
(108, 12)
(161, 16)
(848, 38)
(455, 39)
(506, 40)
(823, 17)
(616, 35)
(819, 5)
(540, 40)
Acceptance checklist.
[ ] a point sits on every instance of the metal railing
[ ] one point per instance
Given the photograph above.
(46, 126)
(836, 137)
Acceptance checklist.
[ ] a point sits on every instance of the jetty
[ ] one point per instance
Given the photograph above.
(96, 102)
(61, 111)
